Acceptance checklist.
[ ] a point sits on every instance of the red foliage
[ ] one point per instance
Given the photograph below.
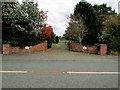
(46, 31)
(44, 15)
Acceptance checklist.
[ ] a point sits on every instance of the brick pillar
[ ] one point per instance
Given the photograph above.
(103, 49)
(71, 44)
(46, 45)
(7, 49)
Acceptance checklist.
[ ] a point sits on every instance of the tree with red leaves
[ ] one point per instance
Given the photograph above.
(46, 31)
(47, 34)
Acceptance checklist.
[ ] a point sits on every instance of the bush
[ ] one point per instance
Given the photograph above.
(56, 39)
(111, 33)
(49, 42)
(20, 23)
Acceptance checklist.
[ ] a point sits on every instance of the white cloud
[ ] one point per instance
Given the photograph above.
(59, 9)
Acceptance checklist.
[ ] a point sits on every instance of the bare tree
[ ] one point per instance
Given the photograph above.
(76, 29)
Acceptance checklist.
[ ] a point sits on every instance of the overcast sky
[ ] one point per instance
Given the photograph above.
(59, 9)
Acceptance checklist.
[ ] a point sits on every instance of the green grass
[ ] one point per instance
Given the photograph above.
(63, 42)
(53, 44)
(114, 53)
(60, 42)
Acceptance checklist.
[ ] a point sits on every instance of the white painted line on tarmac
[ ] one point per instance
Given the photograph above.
(82, 72)
(13, 71)
(64, 72)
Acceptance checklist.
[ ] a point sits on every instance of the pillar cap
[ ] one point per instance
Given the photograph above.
(103, 44)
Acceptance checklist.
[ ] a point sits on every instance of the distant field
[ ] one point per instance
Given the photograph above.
(60, 42)
(63, 41)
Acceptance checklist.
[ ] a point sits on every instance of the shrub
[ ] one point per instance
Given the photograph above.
(111, 33)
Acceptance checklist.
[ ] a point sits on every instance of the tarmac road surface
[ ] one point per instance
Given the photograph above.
(62, 70)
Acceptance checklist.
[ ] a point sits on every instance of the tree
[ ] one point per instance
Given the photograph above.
(57, 39)
(53, 35)
(33, 14)
(47, 34)
(10, 17)
(76, 29)
(21, 23)
(46, 31)
(88, 15)
(111, 33)
(102, 12)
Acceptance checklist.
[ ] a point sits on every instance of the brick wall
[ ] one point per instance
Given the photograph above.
(1, 23)
(101, 49)
(8, 49)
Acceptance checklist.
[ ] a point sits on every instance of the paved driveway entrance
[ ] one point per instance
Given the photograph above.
(60, 49)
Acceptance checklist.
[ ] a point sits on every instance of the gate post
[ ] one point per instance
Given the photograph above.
(7, 49)
(103, 49)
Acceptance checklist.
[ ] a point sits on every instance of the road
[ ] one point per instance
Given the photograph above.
(50, 69)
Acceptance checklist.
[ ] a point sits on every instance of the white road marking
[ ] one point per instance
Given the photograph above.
(65, 72)
(13, 71)
(82, 72)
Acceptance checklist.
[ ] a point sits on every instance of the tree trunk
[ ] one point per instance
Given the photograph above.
(80, 40)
